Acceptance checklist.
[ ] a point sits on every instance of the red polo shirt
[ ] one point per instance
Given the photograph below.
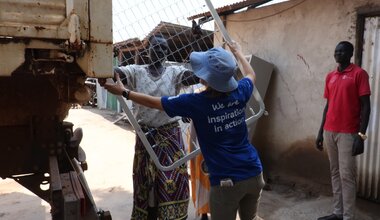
(342, 90)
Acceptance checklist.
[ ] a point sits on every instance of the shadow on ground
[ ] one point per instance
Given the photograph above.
(24, 206)
(116, 118)
(297, 201)
(17, 205)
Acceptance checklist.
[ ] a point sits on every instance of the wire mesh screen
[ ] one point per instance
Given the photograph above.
(153, 41)
(136, 21)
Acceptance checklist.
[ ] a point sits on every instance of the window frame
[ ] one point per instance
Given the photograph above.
(362, 14)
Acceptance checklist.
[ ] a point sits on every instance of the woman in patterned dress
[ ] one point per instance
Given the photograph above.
(157, 194)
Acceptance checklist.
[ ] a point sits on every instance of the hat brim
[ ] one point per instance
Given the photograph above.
(228, 86)
(199, 64)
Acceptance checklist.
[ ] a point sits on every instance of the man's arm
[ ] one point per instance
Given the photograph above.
(365, 110)
(319, 141)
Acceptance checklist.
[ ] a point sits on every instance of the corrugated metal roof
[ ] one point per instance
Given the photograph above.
(228, 9)
(171, 31)
(181, 39)
(132, 42)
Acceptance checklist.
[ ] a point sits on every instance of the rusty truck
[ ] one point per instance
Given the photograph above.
(47, 50)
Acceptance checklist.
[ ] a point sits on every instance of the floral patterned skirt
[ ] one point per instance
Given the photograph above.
(170, 188)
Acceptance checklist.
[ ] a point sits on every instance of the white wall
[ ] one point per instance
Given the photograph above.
(299, 38)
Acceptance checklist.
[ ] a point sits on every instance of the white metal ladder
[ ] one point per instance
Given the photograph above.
(195, 152)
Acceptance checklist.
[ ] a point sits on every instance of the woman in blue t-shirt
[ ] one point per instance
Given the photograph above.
(218, 114)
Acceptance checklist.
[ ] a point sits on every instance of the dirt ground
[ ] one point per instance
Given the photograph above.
(109, 149)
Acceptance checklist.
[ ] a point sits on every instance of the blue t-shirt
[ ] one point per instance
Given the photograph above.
(221, 131)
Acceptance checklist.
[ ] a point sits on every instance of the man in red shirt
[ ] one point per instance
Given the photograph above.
(344, 123)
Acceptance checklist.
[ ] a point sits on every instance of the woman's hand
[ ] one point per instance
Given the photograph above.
(245, 67)
(234, 47)
(114, 88)
(102, 81)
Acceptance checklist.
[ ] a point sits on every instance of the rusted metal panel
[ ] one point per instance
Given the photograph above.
(41, 43)
(51, 12)
(73, 196)
(97, 62)
(41, 19)
(13, 51)
(28, 18)
(83, 27)
(100, 57)
(369, 162)
(228, 9)
(100, 20)
(81, 7)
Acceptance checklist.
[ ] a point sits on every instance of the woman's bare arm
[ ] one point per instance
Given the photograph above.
(246, 68)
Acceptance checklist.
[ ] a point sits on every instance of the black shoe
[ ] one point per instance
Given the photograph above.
(330, 217)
